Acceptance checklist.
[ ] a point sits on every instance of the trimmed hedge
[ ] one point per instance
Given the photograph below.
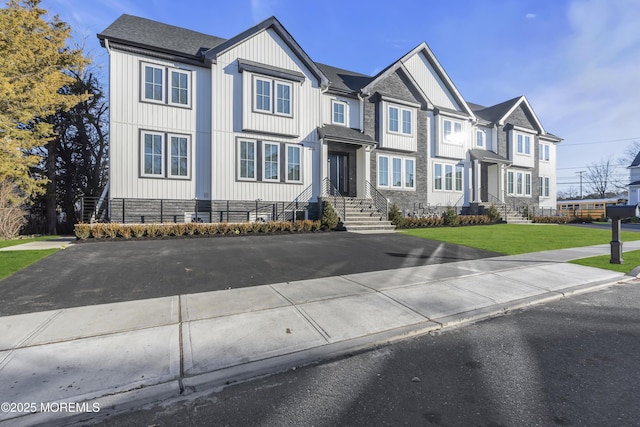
(412, 222)
(552, 219)
(150, 231)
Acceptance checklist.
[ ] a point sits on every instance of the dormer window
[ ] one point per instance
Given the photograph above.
(523, 144)
(452, 131)
(264, 99)
(399, 120)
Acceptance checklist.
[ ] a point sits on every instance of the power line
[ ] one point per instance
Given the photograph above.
(598, 142)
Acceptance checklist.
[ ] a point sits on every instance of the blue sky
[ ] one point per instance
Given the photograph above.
(577, 61)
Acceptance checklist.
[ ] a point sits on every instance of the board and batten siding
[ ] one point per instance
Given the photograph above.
(130, 116)
(430, 83)
(352, 112)
(398, 140)
(548, 169)
(232, 102)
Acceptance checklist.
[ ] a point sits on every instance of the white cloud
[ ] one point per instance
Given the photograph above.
(530, 15)
(596, 81)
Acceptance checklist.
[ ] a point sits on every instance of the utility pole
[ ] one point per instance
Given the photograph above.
(581, 172)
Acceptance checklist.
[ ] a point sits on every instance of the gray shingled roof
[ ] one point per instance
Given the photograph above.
(487, 156)
(344, 80)
(494, 113)
(344, 133)
(636, 161)
(158, 36)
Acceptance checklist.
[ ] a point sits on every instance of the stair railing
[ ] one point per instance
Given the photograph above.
(380, 202)
(329, 191)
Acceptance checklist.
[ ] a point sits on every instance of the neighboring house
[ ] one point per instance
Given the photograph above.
(634, 181)
(201, 125)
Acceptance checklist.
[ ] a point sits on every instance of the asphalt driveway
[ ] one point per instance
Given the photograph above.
(105, 272)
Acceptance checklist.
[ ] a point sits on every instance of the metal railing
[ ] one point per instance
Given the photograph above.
(300, 203)
(330, 192)
(380, 202)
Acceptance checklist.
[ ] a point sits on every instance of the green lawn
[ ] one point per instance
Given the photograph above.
(513, 239)
(12, 261)
(631, 260)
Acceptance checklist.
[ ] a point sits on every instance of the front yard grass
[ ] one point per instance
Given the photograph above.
(12, 261)
(513, 239)
(631, 260)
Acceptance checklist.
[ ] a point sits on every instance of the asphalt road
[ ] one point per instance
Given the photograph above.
(571, 362)
(105, 272)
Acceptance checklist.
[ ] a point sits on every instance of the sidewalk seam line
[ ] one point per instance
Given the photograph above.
(180, 344)
(304, 315)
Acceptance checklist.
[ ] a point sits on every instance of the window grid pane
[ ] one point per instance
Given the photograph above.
(153, 83)
(383, 171)
(179, 156)
(406, 122)
(396, 172)
(152, 154)
(408, 172)
(179, 88)
(271, 162)
(393, 119)
(293, 163)
(458, 178)
(338, 113)
(448, 177)
(447, 130)
(263, 95)
(247, 159)
(437, 171)
(283, 98)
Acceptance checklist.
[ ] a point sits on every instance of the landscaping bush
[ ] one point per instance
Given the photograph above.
(494, 214)
(137, 230)
(552, 219)
(82, 231)
(395, 216)
(329, 217)
(450, 216)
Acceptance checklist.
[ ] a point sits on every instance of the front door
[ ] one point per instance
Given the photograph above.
(339, 171)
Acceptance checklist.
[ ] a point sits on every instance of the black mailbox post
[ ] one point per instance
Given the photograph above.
(617, 213)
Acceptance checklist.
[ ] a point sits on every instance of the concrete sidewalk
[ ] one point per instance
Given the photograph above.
(127, 354)
(54, 243)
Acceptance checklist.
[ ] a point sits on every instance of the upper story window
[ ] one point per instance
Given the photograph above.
(523, 144)
(399, 120)
(543, 153)
(339, 111)
(480, 138)
(264, 100)
(452, 131)
(155, 80)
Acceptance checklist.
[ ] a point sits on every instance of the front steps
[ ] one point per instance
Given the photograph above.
(511, 217)
(362, 215)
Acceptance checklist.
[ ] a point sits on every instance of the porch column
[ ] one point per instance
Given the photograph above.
(501, 182)
(477, 179)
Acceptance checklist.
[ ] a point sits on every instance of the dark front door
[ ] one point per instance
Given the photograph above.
(339, 172)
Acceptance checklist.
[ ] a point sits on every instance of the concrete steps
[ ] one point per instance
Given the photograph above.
(362, 215)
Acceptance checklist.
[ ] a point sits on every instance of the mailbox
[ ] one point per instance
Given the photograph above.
(617, 213)
(622, 212)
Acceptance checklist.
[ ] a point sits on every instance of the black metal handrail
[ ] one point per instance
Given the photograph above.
(379, 201)
(329, 191)
(301, 202)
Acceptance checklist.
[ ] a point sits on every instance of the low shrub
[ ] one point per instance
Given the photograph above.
(153, 230)
(138, 230)
(329, 219)
(450, 216)
(552, 219)
(395, 216)
(82, 231)
(494, 214)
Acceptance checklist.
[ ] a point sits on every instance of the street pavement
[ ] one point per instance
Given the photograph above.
(110, 357)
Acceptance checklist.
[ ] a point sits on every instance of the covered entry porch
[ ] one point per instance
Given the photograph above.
(487, 176)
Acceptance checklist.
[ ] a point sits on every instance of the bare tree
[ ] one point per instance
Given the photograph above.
(600, 177)
(569, 194)
(629, 154)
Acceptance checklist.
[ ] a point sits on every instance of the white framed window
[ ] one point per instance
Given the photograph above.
(247, 160)
(523, 145)
(272, 96)
(519, 183)
(179, 155)
(543, 186)
(459, 173)
(152, 157)
(452, 131)
(409, 173)
(383, 171)
(396, 172)
(262, 92)
(339, 112)
(543, 152)
(270, 161)
(399, 120)
(447, 177)
(153, 83)
(179, 87)
(294, 163)
(437, 176)
(480, 138)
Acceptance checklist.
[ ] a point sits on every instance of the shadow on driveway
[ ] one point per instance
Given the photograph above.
(105, 272)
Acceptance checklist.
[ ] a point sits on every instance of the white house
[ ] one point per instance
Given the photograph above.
(250, 126)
